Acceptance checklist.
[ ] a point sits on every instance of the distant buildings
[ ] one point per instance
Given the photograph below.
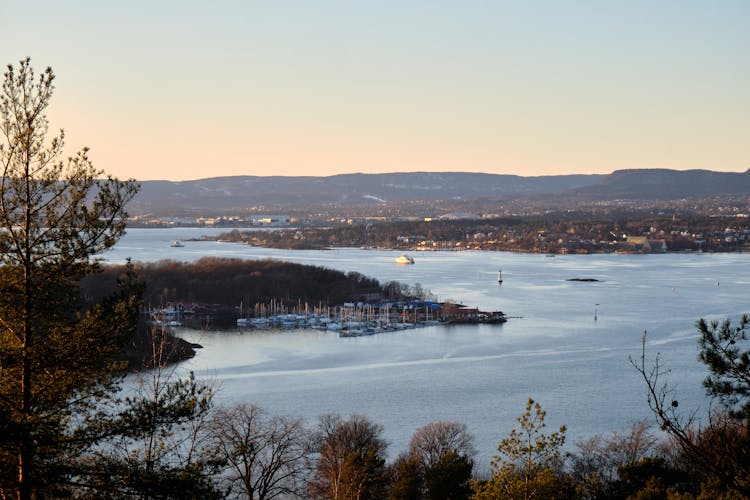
(643, 244)
(220, 221)
(271, 220)
(458, 216)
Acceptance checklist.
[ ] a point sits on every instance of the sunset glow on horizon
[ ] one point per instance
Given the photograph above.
(188, 90)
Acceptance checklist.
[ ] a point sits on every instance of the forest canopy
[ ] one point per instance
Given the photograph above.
(228, 282)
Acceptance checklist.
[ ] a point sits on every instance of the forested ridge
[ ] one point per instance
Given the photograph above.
(228, 282)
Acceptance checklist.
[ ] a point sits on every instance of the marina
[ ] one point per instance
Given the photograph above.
(358, 319)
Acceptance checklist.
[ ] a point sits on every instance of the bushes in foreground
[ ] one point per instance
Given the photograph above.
(258, 455)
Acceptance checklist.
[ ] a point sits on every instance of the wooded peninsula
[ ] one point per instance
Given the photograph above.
(212, 291)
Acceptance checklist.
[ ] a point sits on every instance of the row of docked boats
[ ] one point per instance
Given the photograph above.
(345, 328)
(355, 319)
(290, 321)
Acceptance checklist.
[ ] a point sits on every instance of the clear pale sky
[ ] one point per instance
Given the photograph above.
(192, 89)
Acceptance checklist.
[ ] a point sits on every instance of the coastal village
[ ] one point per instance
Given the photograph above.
(578, 235)
(705, 225)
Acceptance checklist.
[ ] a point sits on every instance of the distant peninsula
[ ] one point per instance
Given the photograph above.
(551, 234)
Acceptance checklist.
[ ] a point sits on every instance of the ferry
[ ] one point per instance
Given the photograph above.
(404, 259)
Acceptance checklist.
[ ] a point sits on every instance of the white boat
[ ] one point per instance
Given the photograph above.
(404, 259)
(177, 244)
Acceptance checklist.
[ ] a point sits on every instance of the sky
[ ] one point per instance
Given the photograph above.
(185, 89)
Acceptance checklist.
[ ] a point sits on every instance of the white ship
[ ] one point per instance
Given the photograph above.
(404, 259)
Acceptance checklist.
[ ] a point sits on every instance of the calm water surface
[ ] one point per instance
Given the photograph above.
(554, 349)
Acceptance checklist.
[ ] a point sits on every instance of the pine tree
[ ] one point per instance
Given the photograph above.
(528, 462)
(56, 354)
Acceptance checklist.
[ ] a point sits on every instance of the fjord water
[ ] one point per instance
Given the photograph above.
(553, 348)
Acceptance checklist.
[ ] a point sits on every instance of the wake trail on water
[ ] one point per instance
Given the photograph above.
(447, 360)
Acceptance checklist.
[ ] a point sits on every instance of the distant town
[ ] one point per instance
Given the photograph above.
(724, 229)
(630, 211)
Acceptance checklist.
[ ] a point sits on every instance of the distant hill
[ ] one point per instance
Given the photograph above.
(667, 184)
(227, 193)
(223, 193)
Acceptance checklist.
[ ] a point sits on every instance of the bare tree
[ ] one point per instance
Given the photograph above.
(438, 464)
(432, 441)
(719, 449)
(599, 457)
(630, 448)
(266, 456)
(662, 402)
(351, 460)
